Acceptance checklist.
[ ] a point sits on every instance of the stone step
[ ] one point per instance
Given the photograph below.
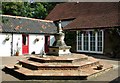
(88, 63)
(56, 59)
(86, 72)
(57, 66)
(28, 72)
(40, 66)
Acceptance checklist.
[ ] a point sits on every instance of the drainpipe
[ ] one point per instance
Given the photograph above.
(12, 45)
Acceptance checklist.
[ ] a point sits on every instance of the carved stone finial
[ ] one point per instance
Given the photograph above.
(60, 27)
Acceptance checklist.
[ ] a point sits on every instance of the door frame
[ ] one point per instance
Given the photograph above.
(25, 46)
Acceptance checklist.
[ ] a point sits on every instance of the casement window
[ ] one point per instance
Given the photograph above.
(90, 41)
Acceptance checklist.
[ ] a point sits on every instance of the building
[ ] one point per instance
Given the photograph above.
(26, 35)
(95, 25)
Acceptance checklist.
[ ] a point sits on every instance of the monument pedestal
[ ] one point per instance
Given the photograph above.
(59, 51)
(59, 47)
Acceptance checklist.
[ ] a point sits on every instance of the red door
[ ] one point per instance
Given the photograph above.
(25, 44)
(47, 43)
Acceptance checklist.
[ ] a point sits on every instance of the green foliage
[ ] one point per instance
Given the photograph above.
(115, 41)
(27, 9)
(70, 39)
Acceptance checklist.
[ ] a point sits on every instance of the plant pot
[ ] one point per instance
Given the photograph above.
(17, 53)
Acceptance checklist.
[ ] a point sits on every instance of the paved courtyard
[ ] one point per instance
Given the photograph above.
(106, 77)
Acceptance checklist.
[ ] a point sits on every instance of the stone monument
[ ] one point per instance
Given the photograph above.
(59, 47)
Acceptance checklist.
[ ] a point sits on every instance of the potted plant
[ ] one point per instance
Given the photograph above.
(17, 52)
(18, 49)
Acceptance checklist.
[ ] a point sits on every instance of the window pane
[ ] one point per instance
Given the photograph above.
(79, 41)
(85, 41)
(99, 38)
(92, 41)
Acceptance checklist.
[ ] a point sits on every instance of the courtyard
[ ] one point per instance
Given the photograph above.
(109, 76)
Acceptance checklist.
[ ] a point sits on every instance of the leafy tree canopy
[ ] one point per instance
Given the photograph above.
(27, 9)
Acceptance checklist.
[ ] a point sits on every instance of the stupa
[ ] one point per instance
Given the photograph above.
(59, 47)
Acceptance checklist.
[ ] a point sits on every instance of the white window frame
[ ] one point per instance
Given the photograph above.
(96, 43)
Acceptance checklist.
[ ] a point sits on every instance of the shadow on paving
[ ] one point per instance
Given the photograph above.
(98, 56)
(117, 80)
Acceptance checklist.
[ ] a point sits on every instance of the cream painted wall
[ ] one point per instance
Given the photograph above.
(5, 46)
(17, 38)
(38, 46)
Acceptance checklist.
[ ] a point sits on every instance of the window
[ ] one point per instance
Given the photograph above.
(90, 41)
(25, 40)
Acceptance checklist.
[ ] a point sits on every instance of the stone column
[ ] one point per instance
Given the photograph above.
(60, 27)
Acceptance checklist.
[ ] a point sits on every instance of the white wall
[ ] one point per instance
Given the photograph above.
(17, 38)
(5, 46)
(38, 47)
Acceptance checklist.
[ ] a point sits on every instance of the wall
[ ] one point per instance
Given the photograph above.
(17, 38)
(107, 42)
(36, 46)
(5, 46)
(111, 43)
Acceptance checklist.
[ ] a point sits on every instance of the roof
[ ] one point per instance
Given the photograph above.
(17, 24)
(92, 22)
(87, 14)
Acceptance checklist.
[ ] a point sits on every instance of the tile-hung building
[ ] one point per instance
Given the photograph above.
(25, 35)
(96, 26)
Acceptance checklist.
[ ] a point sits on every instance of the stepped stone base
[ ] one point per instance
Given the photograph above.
(73, 66)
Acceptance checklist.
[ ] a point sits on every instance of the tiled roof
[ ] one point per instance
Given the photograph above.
(87, 14)
(17, 24)
(73, 10)
(92, 22)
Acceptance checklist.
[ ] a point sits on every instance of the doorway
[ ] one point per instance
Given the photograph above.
(25, 44)
(47, 43)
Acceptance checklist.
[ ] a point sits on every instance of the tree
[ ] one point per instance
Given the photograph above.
(27, 9)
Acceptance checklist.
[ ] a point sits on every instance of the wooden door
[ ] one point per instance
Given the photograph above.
(25, 44)
(47, 43)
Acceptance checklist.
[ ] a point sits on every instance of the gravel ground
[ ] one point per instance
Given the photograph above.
(106, 77)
